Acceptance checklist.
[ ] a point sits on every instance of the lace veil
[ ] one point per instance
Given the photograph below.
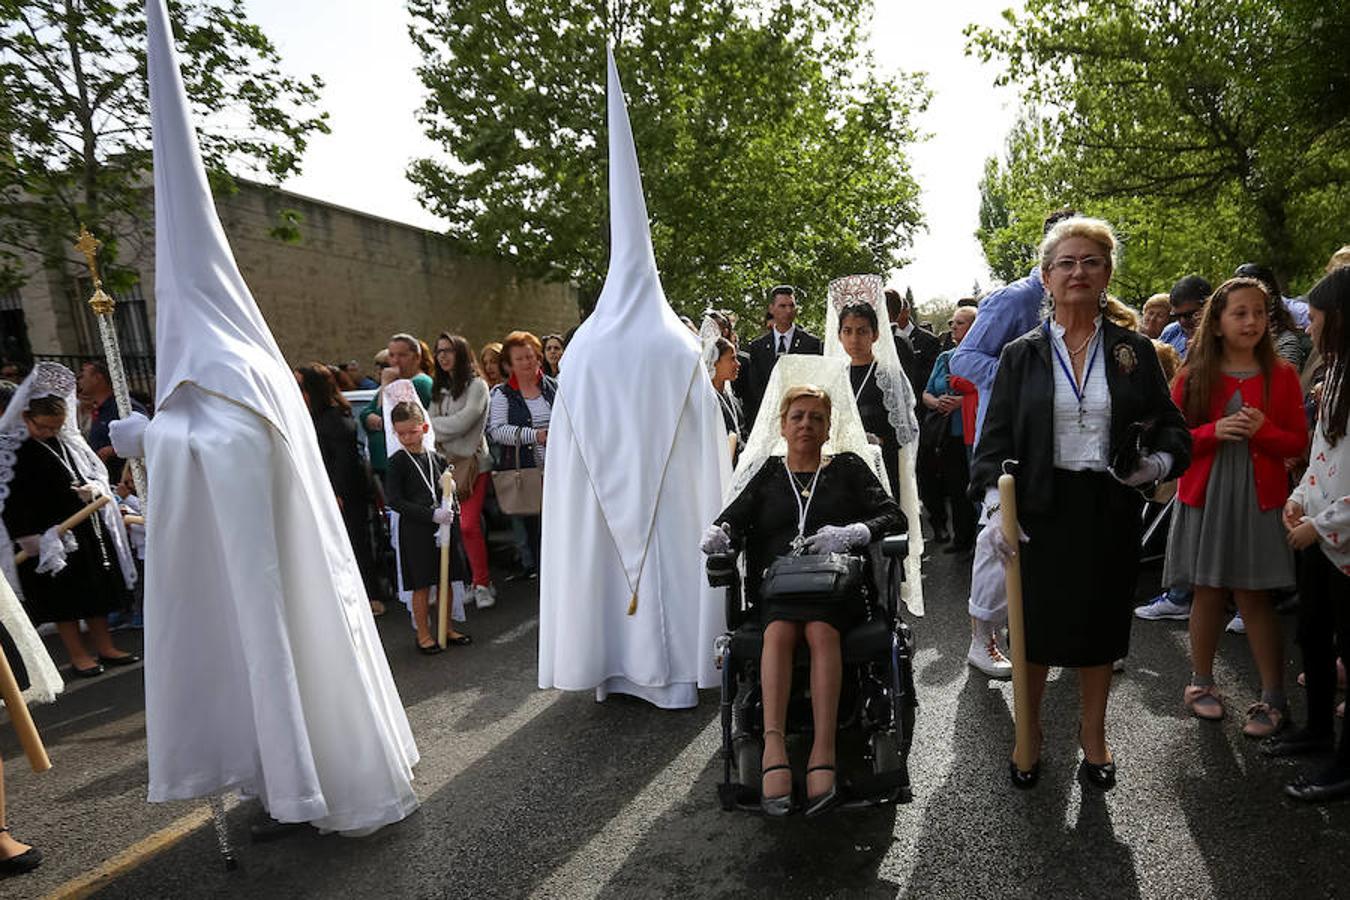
(898, 395)
(895, 387)
(48, 379)
(846, 428)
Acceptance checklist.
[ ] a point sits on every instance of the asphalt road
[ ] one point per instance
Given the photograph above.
(537, 793)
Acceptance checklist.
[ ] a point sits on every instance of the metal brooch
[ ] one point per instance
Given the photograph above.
(1125, 358)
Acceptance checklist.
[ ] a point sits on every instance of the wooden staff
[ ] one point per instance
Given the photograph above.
(22, 555)
(443, 583)
(29, 738)
(1017, 640)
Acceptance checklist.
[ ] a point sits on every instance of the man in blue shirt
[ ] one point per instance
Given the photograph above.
(1005, 315)
(1188, 296)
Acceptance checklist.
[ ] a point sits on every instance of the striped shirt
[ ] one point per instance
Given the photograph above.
(519, 435)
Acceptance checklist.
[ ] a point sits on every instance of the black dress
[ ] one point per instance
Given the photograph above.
(336, 430)
(42, 495)
(763, 520)
(876, 419)
(406, 493)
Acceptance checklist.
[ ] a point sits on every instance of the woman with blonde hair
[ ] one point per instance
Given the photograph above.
(1081, 401)
(1155, 315)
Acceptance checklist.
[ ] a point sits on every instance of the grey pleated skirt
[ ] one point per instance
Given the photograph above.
(1229, 542)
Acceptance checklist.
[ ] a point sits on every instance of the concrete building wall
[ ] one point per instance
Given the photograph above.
(341, 290)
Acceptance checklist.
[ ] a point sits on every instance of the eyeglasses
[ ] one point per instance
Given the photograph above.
(1091, 264)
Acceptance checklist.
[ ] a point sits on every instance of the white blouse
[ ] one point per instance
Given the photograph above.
(1082, 427)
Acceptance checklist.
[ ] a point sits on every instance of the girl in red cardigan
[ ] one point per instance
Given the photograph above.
(1245, 409)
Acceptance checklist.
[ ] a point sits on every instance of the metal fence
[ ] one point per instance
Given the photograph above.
(140, 369)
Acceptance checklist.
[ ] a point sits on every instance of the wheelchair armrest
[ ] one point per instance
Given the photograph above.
(895, 546)
(722, 571)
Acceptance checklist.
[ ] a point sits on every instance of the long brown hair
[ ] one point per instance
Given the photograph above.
(463, 372)
(1204, 353)
(320, 388)
(1331, 297)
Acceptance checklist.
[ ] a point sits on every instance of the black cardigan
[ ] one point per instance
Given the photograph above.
(1020, 422)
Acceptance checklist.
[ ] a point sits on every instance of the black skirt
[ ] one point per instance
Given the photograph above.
(1079, 571)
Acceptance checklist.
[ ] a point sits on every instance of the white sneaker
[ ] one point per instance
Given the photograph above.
(1162, 607)
(1236, 625)
(484, 596)
(985, 656)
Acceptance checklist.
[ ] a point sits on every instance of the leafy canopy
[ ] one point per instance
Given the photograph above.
(1208, 133)
(771, 149)
(75, 118)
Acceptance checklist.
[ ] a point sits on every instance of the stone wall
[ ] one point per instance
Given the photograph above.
(353, 280)
(350, 282)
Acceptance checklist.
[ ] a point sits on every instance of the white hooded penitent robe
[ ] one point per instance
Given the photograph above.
(637, 464)
(264, 671)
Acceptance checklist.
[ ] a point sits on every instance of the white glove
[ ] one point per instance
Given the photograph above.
(53, 549)
(442, 516)
(128, 435)
(90, 491)
(991, 536)
(30, 544)
(715, 540)
(838, 538)
(1153, 467)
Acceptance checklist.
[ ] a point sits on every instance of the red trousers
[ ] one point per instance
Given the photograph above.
(471, 530)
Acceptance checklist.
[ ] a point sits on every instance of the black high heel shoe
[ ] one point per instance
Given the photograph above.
(1102, 776)
(1024, 780)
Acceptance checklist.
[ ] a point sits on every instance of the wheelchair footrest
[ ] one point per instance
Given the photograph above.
(881, 785)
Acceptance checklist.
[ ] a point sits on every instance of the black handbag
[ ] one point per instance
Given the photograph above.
(812, 578)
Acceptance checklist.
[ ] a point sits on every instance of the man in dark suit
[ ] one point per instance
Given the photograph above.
(782, 337)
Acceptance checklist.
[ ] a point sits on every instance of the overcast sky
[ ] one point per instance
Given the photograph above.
(362, 51)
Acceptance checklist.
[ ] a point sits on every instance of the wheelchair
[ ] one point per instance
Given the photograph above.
(877, 703)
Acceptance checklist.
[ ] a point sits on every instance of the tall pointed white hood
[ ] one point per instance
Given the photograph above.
(208, 329)
(630, 366)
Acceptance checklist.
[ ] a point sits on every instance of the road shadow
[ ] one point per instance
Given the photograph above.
(982, 838)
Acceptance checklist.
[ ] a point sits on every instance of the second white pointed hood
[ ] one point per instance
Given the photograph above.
(630, 366)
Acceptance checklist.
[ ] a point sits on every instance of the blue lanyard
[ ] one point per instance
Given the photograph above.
(1078, 393)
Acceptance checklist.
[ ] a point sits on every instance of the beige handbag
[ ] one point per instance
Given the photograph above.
(466, 473)
(520, 492)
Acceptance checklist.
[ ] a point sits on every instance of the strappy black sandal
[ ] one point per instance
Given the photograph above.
(824, 802)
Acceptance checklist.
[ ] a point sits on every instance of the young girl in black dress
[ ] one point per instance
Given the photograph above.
(412, 488)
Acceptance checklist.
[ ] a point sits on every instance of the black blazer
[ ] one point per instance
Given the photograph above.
(1020, 422)
(918, 354)
(763, 352)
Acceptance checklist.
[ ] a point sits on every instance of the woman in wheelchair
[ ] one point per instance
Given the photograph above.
(816, 504)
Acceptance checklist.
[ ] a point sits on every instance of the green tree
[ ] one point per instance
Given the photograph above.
(772, 150)
(75, 118)
(1209, 130)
